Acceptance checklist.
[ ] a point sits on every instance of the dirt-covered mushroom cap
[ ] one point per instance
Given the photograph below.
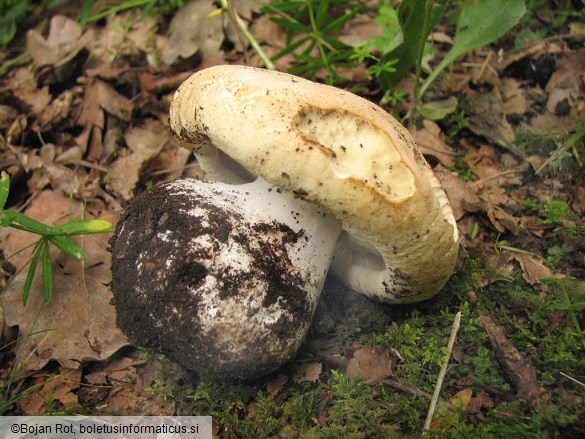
(336, 150)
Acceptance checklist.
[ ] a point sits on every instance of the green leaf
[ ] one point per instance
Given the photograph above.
(23, 222)
(86, 12)
(322, 13)
(31, 270)
(480, 24)
(439, 110)
(84, 227)
(47, 273)
(338, 23)
(4, 188)
(416, 18)
(68, 247)
(290, 25)
(290, 48)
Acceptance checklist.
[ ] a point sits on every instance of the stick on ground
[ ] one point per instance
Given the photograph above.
(443, 371)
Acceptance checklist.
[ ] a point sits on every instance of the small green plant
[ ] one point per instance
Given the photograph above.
(11, 12)
(466, 172)
(147, 6)
(161, 391)
(556, 254)
(311, 26)
(57, 236)
(304, 406)
(405, 32)
(555, 212)
(457, 122)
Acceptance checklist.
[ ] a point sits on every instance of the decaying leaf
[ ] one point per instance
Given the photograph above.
(120, 387)
(275, 386)
(487, 119)
(56, 392)
(430, 142)
(533, 269)
(461, 195)
(144, 143)
(194, 28)
(370, 364)
(78, 324)
(307, 373)
(55, 56)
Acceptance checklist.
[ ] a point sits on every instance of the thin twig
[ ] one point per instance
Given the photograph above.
(443, 371)
(572, 379)
(416, 392)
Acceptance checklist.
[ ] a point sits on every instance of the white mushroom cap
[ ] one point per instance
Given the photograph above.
(336, 150)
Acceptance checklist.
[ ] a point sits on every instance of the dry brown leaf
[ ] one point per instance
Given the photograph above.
(370, 364)
(64, 33)
(430, 142)
(360, 30)
(60, 389)
(486, 118)
(462, 398)
(459, 192)
(193, 29)
(481, 401)
(565, 86)
(144, 144)
(78, 324)
(494, 198)
(307, 373)
(128, 395)
(25, 88)
(57, 56)
(533, 270)
(275, 386)
(514, 100)
(101, 96)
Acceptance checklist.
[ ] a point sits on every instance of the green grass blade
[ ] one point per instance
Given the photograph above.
(4, 188)
(68, 247)
(31, 270)
(290, 25)
(23, 222)
(290, 48)
(336, 24)
(47, 273)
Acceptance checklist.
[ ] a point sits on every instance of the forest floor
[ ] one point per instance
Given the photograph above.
(84, 128)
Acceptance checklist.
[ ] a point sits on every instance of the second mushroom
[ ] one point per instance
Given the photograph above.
(224, 276)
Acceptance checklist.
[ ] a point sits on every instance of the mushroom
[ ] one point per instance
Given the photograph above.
(224, 276)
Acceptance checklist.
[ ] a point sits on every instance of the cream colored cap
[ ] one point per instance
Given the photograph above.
(339, 151)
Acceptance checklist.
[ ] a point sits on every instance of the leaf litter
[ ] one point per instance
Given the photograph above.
(86, 130)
